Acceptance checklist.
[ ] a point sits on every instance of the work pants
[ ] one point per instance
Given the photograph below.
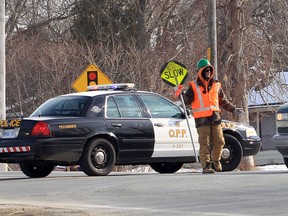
(211, 142)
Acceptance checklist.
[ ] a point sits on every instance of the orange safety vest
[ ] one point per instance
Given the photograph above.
(203, 105)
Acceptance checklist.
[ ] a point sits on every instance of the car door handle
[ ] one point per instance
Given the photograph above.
(159, 124)
(116, 124)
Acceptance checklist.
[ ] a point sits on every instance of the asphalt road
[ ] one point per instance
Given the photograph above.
(138, 194)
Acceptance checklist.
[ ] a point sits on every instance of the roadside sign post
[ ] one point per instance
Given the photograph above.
(174, 73)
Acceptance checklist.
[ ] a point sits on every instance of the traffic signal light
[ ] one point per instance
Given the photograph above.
(92, 78)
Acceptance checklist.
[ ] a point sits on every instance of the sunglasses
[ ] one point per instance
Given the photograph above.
(207, 69)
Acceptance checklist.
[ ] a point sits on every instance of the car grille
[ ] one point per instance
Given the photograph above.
(282, 130)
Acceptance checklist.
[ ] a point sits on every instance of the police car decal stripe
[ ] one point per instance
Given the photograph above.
(172, 137)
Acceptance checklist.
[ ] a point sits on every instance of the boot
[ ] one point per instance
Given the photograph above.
(217, 166)
(207, 169)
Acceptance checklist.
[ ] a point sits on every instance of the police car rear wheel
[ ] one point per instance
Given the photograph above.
(98, 158)
(166, 167)
(36, 170)
(232, 153)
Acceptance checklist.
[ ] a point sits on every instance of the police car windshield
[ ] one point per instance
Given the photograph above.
(62, 106)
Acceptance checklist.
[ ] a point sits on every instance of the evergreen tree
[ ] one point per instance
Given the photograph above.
(110, 22)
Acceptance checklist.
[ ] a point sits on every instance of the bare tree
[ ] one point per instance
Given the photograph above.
(50, 17)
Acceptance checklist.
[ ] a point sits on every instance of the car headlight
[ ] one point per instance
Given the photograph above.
(250, 132)
(246, 130)
(282, 120)
(282, 116)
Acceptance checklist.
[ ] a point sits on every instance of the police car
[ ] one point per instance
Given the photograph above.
(113, 125)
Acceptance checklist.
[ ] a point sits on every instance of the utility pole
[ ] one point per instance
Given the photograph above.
(3, 167)
(212, 35)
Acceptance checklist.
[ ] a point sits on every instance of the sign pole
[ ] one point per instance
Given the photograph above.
(189, 128)
(174, 74)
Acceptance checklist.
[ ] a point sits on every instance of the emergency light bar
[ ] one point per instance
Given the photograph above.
(120, 86)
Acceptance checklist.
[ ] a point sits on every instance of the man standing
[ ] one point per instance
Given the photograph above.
(205, 96)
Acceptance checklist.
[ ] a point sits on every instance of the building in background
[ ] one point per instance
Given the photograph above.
(263, 105)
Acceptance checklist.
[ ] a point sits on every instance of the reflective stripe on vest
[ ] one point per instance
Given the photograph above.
(199, 108)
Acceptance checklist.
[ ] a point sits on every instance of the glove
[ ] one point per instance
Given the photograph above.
(238, 112)
(178, 90)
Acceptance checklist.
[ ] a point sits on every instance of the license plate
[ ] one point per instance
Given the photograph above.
(9, 133)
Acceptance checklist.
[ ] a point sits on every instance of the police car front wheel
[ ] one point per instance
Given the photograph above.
(232, 153)
(98, 158)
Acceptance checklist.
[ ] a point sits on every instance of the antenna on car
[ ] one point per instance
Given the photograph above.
(111, 87)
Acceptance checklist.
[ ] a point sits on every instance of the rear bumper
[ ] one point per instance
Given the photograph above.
(58, 150)
(281, 144)
(251, 147)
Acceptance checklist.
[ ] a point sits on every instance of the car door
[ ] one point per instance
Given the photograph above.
(125, 118)
(172, 135)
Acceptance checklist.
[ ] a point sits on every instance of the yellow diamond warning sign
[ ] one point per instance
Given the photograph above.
(174, 73)
(92, 75)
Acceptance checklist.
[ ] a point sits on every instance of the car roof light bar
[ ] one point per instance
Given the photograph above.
(119, 86)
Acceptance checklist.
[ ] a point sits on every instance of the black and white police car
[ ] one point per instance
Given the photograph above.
(112, 125)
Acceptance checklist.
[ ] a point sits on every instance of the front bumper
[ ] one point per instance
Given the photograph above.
(251, 147)
(281, 144)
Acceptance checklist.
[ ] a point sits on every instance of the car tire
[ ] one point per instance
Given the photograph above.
(232, 153)
(166, 167)
(98, 158)
(36, 170)
(286, 161)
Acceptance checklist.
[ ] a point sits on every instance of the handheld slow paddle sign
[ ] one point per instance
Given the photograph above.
(174, 73)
